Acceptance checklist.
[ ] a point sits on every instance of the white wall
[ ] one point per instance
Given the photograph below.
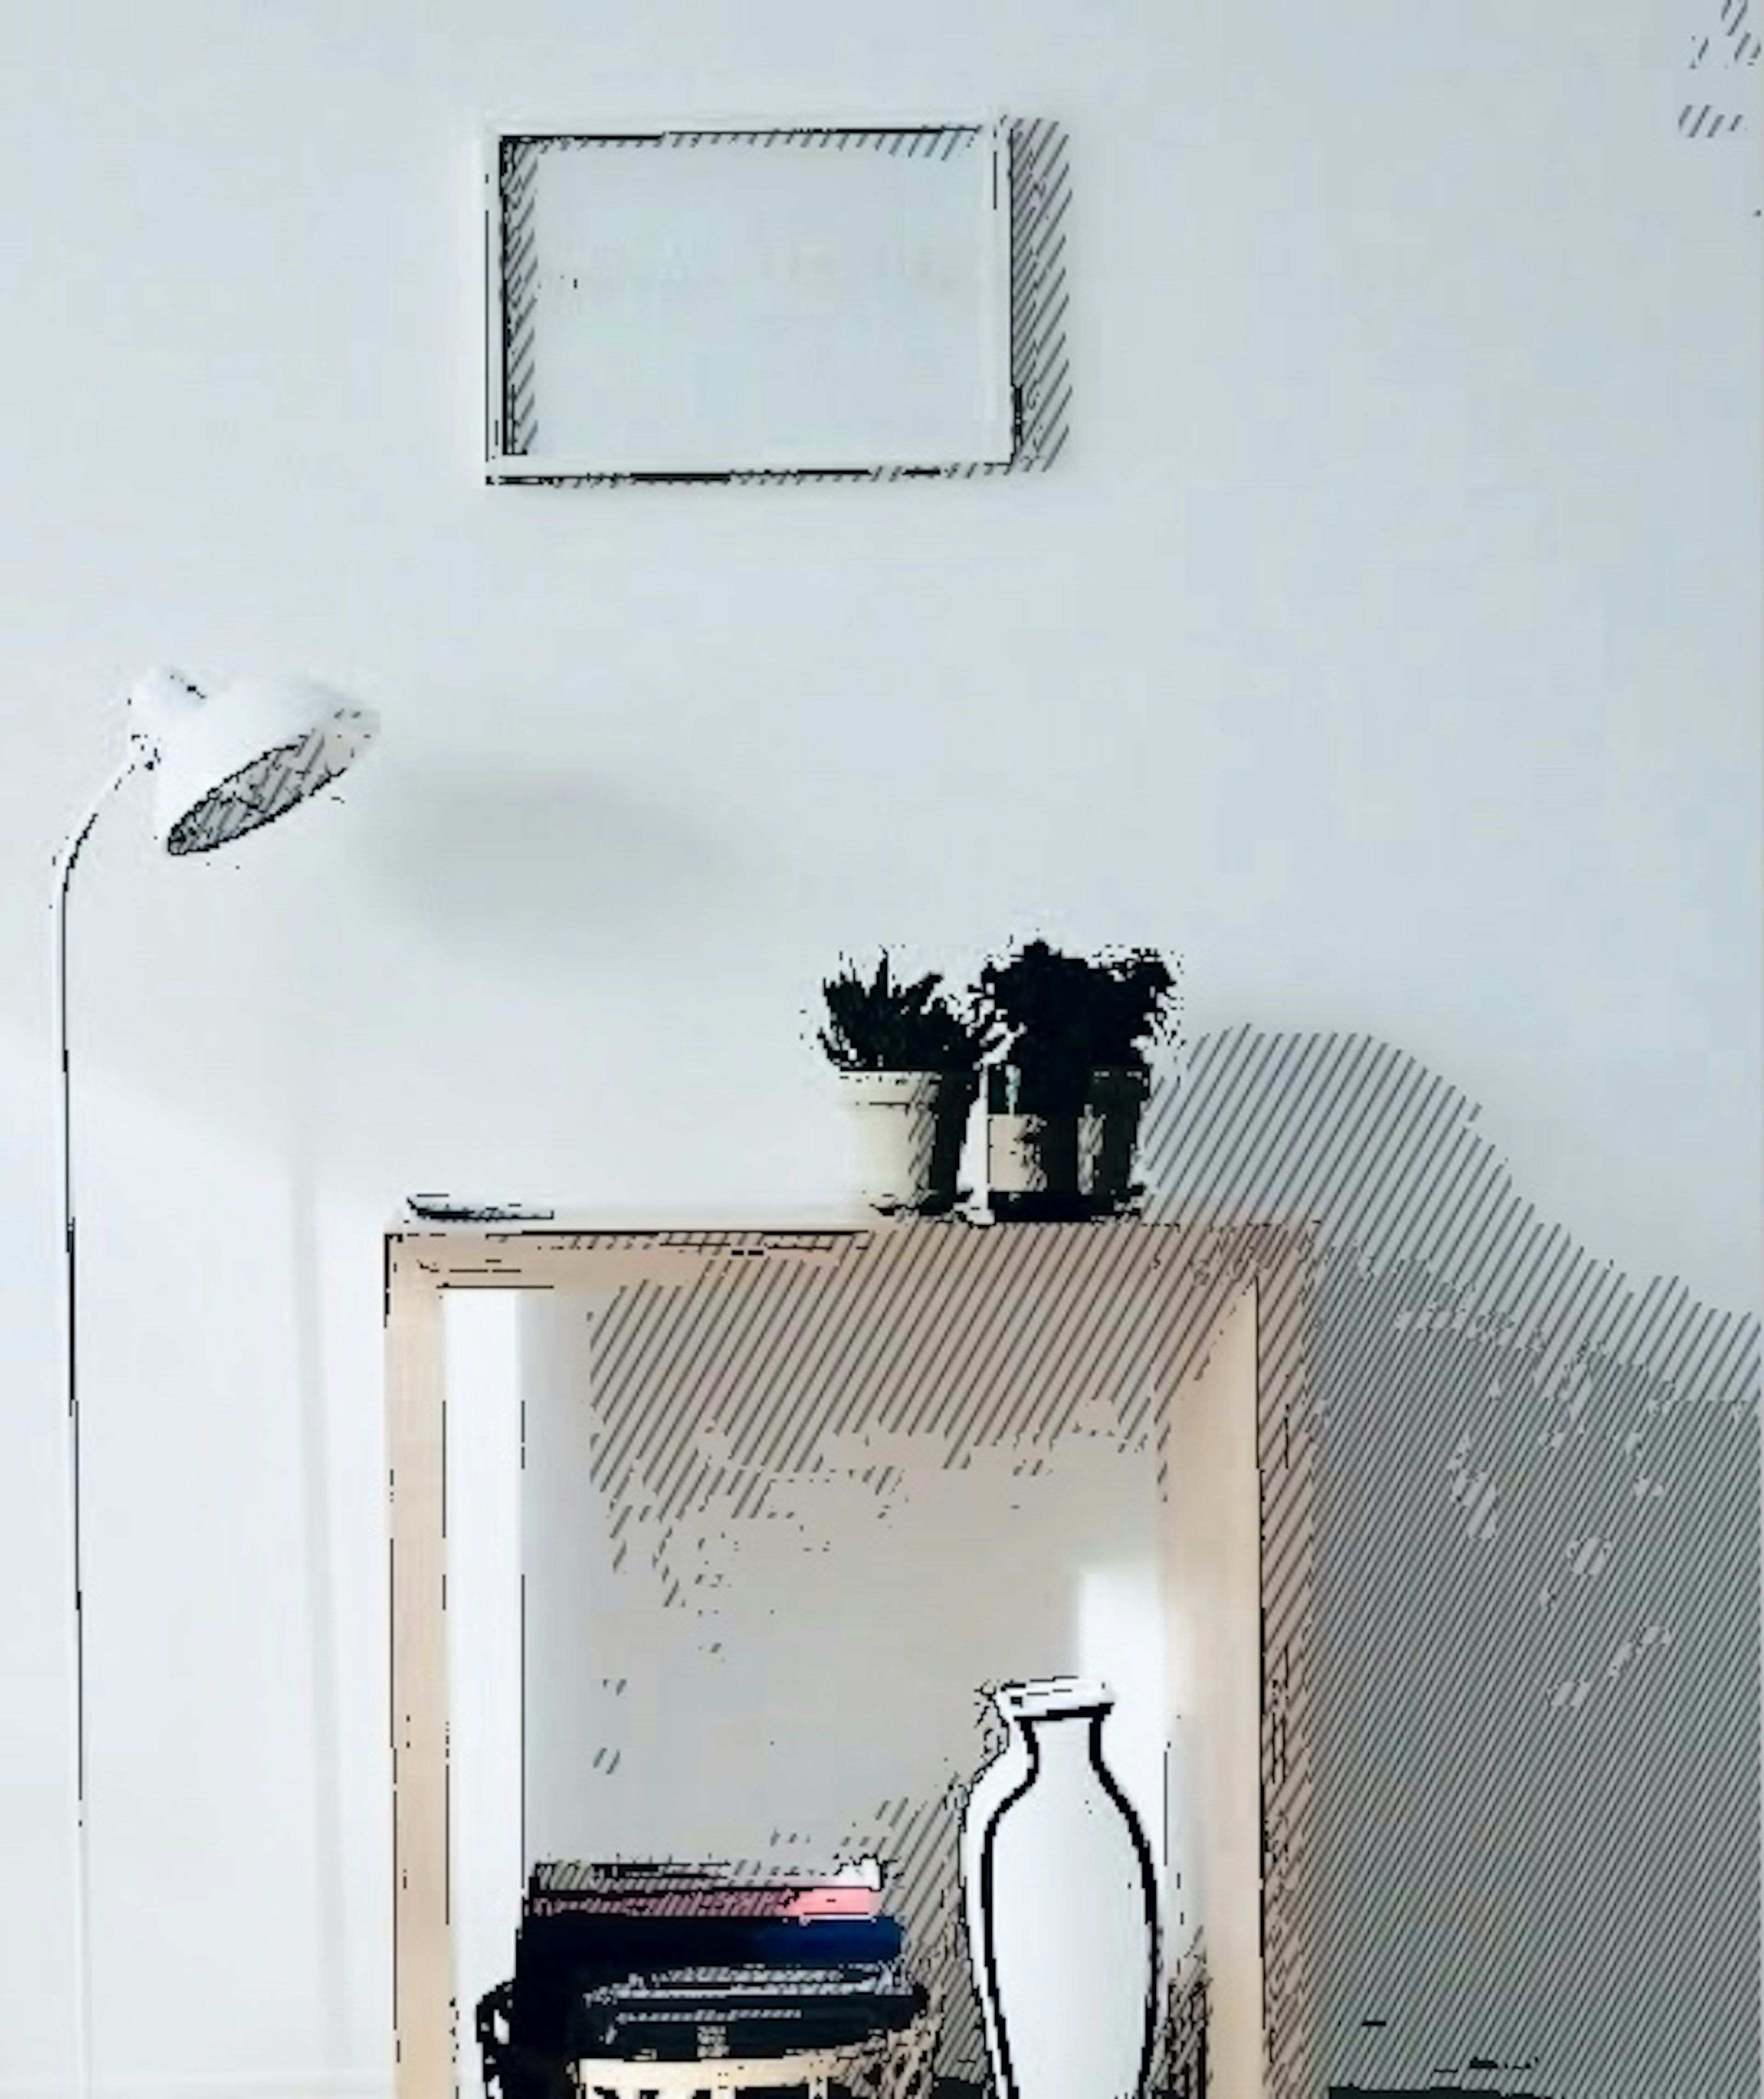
(1388, 644)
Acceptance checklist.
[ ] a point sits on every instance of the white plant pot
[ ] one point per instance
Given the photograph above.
(1024, 1154)
(1031, 1158)
(1061, 1905)
(909, 1127)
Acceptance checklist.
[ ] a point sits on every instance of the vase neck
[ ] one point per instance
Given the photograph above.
(1062, 1740)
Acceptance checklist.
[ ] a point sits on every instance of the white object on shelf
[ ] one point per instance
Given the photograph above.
(892, 2066)
(1061, 1904)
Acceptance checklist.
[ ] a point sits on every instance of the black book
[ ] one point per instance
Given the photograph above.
(559, 1960)
(690, 2014)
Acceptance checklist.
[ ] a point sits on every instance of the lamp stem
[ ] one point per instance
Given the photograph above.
(82, 1993)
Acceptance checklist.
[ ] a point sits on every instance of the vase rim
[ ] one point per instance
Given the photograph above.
(1054, 1698)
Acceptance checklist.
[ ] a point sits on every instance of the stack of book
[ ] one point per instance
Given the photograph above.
(663, 1962)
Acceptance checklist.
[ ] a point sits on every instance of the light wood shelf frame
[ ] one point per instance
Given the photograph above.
(1235, 1308)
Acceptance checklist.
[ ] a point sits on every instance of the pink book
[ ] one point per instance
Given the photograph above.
(689, 1891)
(803, 1903)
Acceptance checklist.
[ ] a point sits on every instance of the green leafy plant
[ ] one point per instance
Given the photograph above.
(878, 1024)
(1063, 1017)
(1132, 993)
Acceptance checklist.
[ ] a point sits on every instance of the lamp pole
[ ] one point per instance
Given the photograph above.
(65, 862)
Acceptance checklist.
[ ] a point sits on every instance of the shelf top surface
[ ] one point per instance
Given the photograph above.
(509, 1221)
(544, 1250)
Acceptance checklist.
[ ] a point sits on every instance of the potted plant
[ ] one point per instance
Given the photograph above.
(1133, 990)
(1064, 1104)
(909, 1064)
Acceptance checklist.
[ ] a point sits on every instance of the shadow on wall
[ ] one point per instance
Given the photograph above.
(520, 865)
(1536, 1645)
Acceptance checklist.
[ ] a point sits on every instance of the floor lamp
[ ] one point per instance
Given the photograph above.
(224, 765)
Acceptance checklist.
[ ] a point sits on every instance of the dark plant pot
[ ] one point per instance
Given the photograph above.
(1059, 1150)
(1108, 1137)
(1031, 1146)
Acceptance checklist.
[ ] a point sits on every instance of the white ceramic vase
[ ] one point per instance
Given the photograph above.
(1061, 1908)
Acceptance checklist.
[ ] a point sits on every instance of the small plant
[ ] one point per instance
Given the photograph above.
(876, 1024)
(1132, 993)
(1064, 1017)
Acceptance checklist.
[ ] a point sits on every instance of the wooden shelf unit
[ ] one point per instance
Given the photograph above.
(1212, 1323)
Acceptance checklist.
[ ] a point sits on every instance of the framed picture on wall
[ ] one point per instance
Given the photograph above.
(766, 302)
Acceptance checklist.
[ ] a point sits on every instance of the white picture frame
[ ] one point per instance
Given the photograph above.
(729, 302)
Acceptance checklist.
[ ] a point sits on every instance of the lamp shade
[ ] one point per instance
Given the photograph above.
(225, 763)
